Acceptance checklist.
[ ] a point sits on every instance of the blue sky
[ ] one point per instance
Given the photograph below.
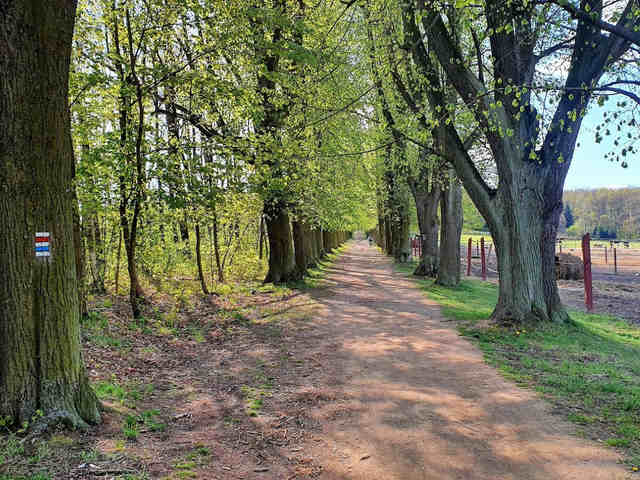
(590, 169)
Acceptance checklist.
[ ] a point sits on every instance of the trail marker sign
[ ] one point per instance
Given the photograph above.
(43, 244)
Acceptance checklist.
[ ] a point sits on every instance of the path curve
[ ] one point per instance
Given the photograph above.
(419, 402)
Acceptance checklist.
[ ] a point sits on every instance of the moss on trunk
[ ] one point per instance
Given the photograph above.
(41, 365)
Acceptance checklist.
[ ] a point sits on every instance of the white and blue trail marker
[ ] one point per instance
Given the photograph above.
(43, 244)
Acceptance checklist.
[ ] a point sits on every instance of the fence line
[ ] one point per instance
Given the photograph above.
(596, 257)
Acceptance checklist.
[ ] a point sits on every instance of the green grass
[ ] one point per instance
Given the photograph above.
(127, 395)
(589, 368)
(254, 399)
(130, 427)
(315, 275)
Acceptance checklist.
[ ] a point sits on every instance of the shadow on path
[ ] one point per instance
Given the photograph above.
(418, 401)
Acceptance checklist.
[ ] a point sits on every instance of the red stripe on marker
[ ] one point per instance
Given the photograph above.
(42, 239)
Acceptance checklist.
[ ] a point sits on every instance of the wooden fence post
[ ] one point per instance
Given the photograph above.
(606, 261)
(483, 259)
(469, 247)
(615, 260)
(586, 258)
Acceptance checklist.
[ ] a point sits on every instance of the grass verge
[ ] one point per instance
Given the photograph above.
(315, 275)
(589, 369)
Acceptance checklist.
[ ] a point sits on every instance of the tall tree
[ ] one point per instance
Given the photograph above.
(41, 366)
(532, 157)
(568, 215)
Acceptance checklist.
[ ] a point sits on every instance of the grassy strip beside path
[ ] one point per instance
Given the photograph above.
(589, 369)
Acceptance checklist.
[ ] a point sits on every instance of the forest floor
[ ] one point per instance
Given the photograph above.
(360, 377)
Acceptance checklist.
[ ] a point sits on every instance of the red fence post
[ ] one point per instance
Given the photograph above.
(606, 261)
(615, 260)
(483, 259)
(586, 258)
(469, 247)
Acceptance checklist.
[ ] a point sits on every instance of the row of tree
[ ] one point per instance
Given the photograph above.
(200, 129)
(318, 117)
(499, 90)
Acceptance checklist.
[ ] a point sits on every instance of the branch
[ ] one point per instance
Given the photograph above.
(618, 30)
(620, 91)
(457, 154)
(565, 44)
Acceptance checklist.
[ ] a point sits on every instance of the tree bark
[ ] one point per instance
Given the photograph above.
(302, 247)
(381, 229)
(313, 245)
(260, 236)
(282, 265)
(95, 247)
(427, 198)
(400, 224)
(78, 241)
(216, 246)
(317, 238)
(326, 241)
(41, 366)
(450, 231)
(388, 235)
(118, 255)
(203, 282)
(308, 245)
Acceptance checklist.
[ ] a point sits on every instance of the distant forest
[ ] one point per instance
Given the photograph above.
(605, 213)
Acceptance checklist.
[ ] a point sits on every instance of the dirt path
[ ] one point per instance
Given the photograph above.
(414, 400)
(360, 378)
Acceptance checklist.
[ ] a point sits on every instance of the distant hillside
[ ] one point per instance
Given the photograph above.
(604, 212)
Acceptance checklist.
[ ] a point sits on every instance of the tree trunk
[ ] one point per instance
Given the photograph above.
(313, 246)
(555, 309)
(518, 241)
(282, 265)
(78, 242)
(97, 262)
(203, 282)
(303, 253)
(260, 237)
(184, 231)
(450, 231)
(381, 226)
(326, 242)
(41, 365)
(216, 246)
(317, 238)
(388, 235)
(427, 211)
(401, 244)
(135, 290)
